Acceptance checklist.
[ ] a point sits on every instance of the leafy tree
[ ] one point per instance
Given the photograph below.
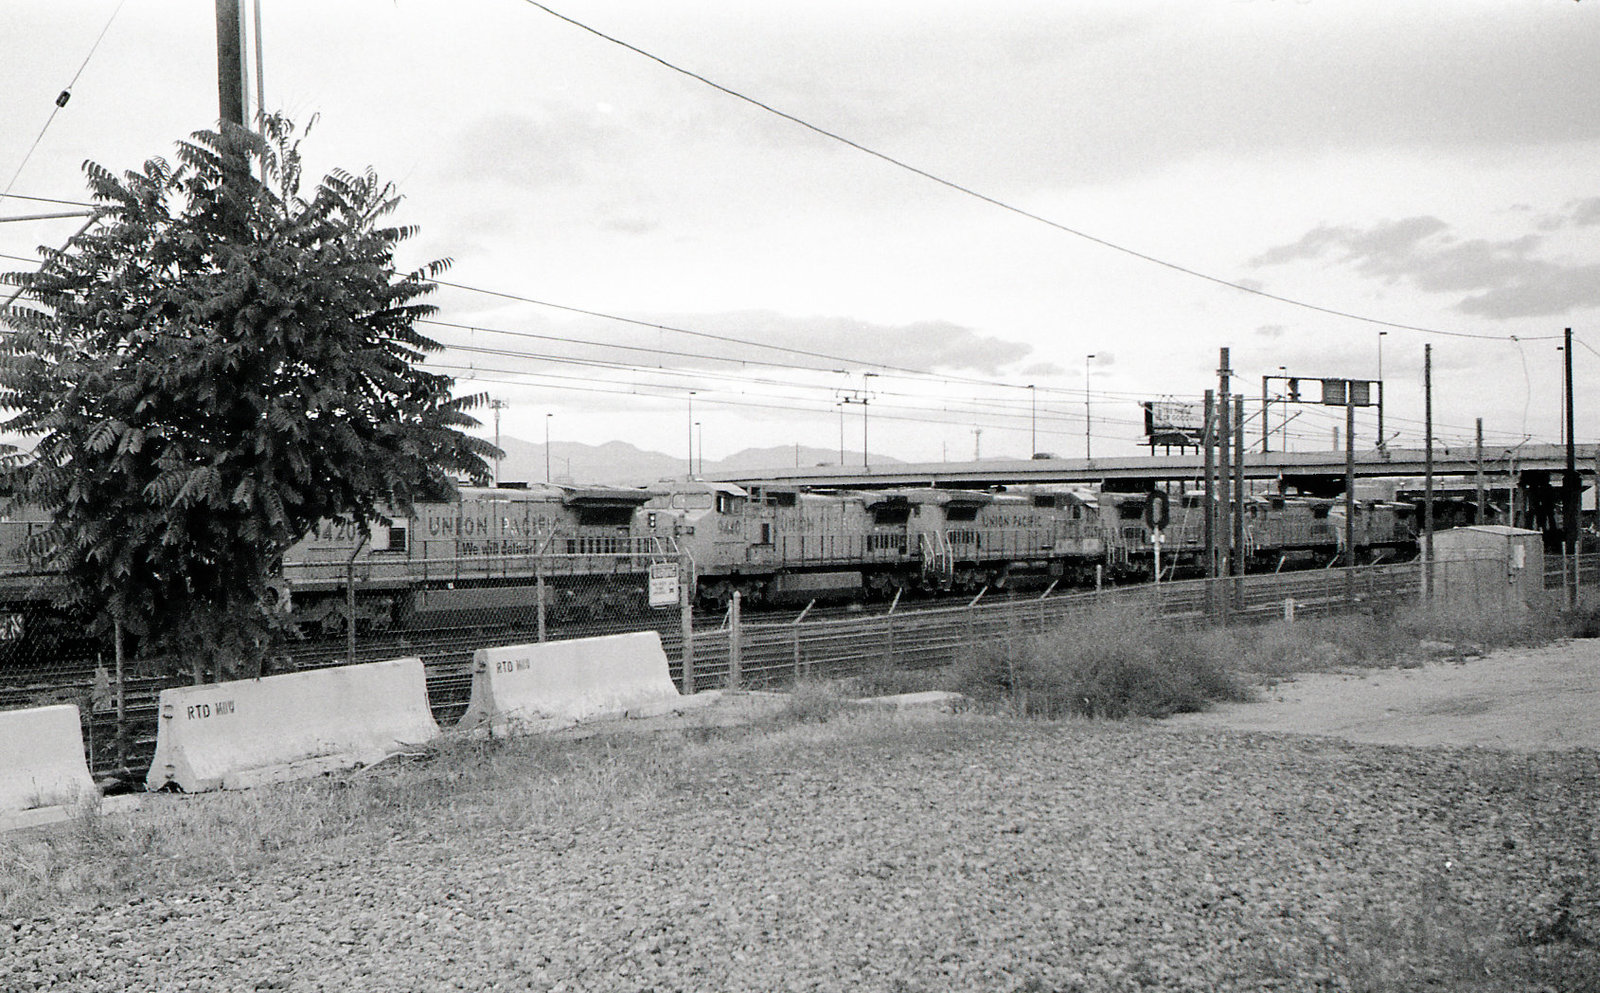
(216, 366)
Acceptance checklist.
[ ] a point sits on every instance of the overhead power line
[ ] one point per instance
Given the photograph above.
(1002, 204)
(61, 101)
(748, 343)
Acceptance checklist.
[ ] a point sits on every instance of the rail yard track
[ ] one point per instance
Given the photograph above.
(767, 648)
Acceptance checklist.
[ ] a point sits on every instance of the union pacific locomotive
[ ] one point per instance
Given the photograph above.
(587, 550)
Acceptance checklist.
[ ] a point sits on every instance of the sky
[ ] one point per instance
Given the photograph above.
(942, 208)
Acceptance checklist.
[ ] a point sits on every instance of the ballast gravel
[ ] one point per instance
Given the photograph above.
(895, 853)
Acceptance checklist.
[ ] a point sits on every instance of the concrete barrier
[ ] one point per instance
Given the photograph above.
(562, 682)
(250, 731)
(43, 772)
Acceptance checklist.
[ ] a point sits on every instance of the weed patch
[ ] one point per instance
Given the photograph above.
(1108, 663)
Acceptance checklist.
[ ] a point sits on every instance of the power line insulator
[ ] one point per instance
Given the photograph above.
(61, 101)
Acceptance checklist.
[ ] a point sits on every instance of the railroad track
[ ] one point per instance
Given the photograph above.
(771, 646)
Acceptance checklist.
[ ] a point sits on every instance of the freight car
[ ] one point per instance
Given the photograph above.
(493, 552)
(486, 554)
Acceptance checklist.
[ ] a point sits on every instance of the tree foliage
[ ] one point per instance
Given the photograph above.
(213, 368)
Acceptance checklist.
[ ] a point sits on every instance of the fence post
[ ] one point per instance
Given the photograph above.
(350, 612)
(122, 699)
(687, 621)
(539, 597)
(733, 642)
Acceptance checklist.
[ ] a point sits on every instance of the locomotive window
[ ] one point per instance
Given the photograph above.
(1130, 511)
(1320, 513)
(766, 534)
(961, 513)
(604, 516)
(1041, 500)
(397, 538)
(727, 503)
(891, 515)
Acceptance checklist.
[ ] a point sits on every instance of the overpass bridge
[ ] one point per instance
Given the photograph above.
(1311, 472)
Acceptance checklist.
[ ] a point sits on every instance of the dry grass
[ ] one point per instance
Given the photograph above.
(1117, 663)
(1107, 663)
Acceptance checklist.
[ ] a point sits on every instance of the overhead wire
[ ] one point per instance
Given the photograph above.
(997, 202)
(61, 101)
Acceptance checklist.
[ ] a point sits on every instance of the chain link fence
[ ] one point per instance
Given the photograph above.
(584, 595)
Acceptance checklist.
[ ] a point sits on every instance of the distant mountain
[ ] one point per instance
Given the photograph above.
(618, 463)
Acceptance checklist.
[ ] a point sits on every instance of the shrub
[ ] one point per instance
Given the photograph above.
(1107, 663)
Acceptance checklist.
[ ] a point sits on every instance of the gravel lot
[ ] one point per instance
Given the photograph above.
(1528, 700)
(905, 853)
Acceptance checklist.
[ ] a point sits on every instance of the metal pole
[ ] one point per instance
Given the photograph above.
(1088, 418)
(1478, 517)
(1224, 466)
(547, 418)
(734, 648)
(686, 620)
(122, 698)
(1239, 556)
(1570, 505)
(691, 436)
(1033, 421)
(1381, 335)
(1349, 494)
(1427, 490)
(1209, 438)
(540, 597)
(261, 84)
(1265, 410)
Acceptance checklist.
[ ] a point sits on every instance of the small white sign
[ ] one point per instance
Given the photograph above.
(663, 584)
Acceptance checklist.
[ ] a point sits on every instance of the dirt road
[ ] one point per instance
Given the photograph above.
(1521, 700)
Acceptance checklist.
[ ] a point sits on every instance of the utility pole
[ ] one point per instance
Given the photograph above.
(1381, 442)
(1239, 555)
(230, 61)
(1224, 473)
(1209, 438)
(1033, 421)
(1088, 420)
(1427, 488)
(1265, 432)
(1349, 477)
(497, 405)
(1570, 505)
(1478, 517)
(977, 436)
(690, 476)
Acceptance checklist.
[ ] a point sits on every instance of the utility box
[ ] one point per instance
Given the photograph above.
(1488, 566)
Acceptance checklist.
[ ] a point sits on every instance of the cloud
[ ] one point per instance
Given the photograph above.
(931, 345)
(1586, 212)
(1501, 279)
(822, 342)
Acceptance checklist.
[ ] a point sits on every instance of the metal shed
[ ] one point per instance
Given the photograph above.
(1487, 566)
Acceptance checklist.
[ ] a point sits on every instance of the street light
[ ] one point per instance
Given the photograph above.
(865, 386)
(1382, 444)
(547, 447)
(700, 443)
(1033, 421)
(1088, 432)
